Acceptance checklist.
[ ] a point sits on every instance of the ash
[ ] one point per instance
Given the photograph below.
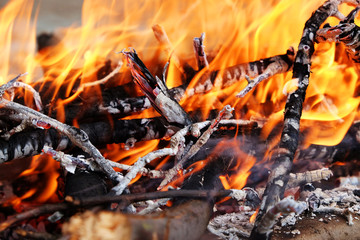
(342, 202)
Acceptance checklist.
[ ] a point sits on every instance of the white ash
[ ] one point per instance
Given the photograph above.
(340, 201)
(232, 225)
(289, 220)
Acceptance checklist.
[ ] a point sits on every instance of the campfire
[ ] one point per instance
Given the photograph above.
(181, 120)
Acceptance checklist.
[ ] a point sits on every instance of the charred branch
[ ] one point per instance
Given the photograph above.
(77, 136)
(229, 76)
(308, 177)
(32, 141)
(346, 32)
(225, 113)
(283, 158)
(280, 64)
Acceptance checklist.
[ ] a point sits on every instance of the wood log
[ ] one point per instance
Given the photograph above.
(185, 221)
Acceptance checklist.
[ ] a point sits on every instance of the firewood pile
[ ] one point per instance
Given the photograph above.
(180, 182)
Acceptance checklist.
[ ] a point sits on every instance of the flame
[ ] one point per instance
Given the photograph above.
(240, 171)
(253, 217)
(236, 32)
(41, 167)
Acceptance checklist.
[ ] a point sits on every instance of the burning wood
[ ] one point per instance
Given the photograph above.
(194, 146)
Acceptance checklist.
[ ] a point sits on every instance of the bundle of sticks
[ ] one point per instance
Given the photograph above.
(28, 132)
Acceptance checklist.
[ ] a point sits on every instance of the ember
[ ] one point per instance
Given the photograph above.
(138, 125)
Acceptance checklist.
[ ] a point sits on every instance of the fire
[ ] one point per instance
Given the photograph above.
(236, 32)
(41, 177)
(241, 169)
(253, 217)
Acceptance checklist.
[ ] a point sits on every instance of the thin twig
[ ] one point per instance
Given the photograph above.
(103, 80)
(226, 77)
(346, 32)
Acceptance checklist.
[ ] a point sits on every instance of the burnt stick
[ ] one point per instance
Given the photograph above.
(283, 158)
(77, 136)
(278, 66)
(200, 54)
(226, 77)
(157, 92)
(32, 141)
(346, 32)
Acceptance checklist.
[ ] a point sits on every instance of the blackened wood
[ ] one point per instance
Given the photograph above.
(84, 184)
(31, 142)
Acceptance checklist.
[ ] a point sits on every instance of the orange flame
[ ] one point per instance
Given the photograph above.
(253, 217)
